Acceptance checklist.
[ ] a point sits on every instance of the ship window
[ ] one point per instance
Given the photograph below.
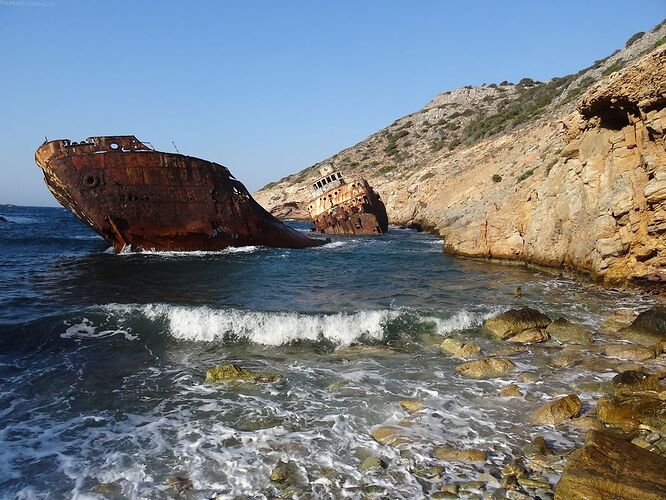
(339, 175)
(113, 145)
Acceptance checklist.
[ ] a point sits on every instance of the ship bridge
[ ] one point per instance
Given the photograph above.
(329, 181)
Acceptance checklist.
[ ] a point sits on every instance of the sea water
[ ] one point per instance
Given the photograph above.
(103, 360)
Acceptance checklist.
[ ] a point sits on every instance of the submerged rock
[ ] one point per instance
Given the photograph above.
(609, 467)
(179, 483)
(373, 463)
(557, 411)
(458, 349)
(411, 405)
(586, 423)
(485, 367)
(567, 332)
(449, 454)
(630, 352)
(234, 373)
(537, 446)
(515, 321)
(618, 320)
(510, 391)
(286, 473)
(358, 351)
(649, 327)
(389, 435)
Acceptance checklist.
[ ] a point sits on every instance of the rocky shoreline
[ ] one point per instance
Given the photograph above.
(624, 451)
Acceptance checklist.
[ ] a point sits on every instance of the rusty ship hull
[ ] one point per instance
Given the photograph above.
(347, 208)
(134, 196)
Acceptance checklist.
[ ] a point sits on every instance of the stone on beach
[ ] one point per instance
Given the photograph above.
(531, 336)
(649, 327)
(515, 321)
(449, 454)
(610, 467)
(234, 373)
(557, 411)
(485, 367)
(510, 391)
(630, 352)
(411, 405)
(390, 435)
(537, 446)
(567, 332)
(458, 349)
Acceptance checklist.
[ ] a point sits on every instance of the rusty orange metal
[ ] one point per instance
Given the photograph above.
(135, 196)
(341, 207)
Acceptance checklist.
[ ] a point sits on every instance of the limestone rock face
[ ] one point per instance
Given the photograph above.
(609, 467)
(516, 321)
(583, 187)
(485, 367)
(556, 412)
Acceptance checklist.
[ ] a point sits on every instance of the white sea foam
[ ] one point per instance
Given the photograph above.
(127, 250)
(269, 328)
(87, 330)
(462, 320)
(208, 324)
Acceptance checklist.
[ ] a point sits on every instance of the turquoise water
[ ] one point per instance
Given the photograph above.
(103, 359)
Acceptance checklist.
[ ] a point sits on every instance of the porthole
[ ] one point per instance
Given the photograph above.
(90, 181)
(114, 145)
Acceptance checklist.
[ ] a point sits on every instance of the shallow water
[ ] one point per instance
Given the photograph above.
(103, 359)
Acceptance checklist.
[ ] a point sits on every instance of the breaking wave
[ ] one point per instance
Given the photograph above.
(209, 324)
(127, 250)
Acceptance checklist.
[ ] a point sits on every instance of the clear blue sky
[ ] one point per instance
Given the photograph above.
(269, 87)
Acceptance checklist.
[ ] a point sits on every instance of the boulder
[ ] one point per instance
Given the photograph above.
(537, 446)
(632, 381)
(586, 423)
(411, 405)
(619, 319)
(630, 411)
(234, 373)
(389, 435)
(609, 467)
(485, 367)
(567, 332)
(179, 484)
(510, 391)
(565, 359)
(515, 321)
(458, 349)
(557, 411)
(630, 352)
(649, 327)
(450, 454)
(531, 336)
(286, 473)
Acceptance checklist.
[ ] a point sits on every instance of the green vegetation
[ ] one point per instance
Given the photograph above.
(525, 175)
(269, 185)
(633, 39)
(386, 169)
(496, 178)
(659, 43)
(583, 85)
(616, 66)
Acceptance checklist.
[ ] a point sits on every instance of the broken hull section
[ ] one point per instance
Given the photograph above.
(349, 209)
(135, 196)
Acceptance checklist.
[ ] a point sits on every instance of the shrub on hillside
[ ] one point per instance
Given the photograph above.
(633, 39)
(496, 178)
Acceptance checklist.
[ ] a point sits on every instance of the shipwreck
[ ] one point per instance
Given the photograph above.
(342, 207)
(137, 197)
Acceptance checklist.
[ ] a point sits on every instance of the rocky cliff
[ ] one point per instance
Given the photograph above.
(567, 173)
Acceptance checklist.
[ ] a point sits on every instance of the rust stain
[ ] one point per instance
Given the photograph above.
(341, 207)
(133, 195)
